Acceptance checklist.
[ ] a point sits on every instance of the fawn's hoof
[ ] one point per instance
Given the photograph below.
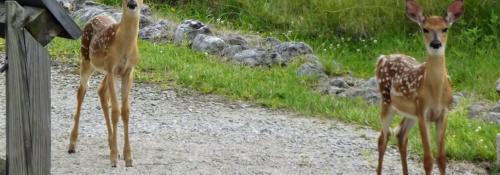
(113, 163)
(71, 149)
(128, 163)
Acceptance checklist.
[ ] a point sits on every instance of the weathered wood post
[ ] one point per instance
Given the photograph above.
(28, 27)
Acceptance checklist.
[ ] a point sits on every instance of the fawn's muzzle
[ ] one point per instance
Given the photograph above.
(132, 5)
(435, 44)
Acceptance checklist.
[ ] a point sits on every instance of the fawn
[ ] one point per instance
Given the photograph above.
(421, 93)
(110, 48)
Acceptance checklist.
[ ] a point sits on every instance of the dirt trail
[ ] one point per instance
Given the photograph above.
(183, 132)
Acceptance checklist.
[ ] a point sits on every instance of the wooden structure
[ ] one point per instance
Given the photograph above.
(27, 26)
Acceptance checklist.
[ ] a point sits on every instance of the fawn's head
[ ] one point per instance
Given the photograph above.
(133, 7)
(434, 28)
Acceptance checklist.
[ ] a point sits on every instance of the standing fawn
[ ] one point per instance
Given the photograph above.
(110, 48)
(421, 93)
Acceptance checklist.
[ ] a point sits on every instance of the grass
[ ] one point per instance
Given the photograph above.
(355, 33)
(280, 87)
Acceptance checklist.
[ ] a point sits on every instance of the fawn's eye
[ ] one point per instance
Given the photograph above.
(445, 30)
(426, 31)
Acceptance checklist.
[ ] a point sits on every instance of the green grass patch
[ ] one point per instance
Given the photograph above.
(280, 87)
(355, 33)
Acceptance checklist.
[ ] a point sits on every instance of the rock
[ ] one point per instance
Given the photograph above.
(311, 69)
(333, 90)
(498, 86)
(86, 12)
(271, 42)
(476, 110)
(146, 11)
(371, 83)
(157, 32)
(256, 57)
(90, 9)
(233, 39)
(144, 21)
(370, 95)
(187, 31)
(339, 82)
(289, 50)
(67, 5)
(210, 44)
(457, 98)
(493, 117)
(480, 111)
(232, 50)
(496, 108)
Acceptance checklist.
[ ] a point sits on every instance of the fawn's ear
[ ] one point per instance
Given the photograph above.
(455, 10)
(414, 12)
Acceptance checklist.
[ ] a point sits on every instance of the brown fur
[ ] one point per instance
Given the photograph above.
(419, 92)
(110, 48)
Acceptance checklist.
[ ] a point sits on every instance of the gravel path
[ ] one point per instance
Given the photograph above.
(183, 132)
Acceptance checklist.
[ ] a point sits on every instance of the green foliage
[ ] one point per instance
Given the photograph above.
(326, 18)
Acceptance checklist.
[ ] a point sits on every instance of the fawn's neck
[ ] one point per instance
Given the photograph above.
(435, 73)
(128, 30)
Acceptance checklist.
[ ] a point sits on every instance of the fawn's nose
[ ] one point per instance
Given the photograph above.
(435, 44)
(132, 5)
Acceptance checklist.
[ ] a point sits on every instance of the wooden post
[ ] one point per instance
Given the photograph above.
(28, 98)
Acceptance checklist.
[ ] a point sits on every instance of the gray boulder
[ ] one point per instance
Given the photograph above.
(158, 31)
(477, 110)
(493, 117)
(290, 50)
(90, 9)
(187, 31)
(496, 108)
(209, 44)
(457, 98)
(371, 83)
(232, 50)
(146, 11)
(233, 39)
(256, 57)
(333, 90)
(339, 82)
(312, 67)
(271, 42)
(368, 94)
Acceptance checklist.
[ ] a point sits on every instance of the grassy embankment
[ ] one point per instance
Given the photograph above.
(367, 29)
